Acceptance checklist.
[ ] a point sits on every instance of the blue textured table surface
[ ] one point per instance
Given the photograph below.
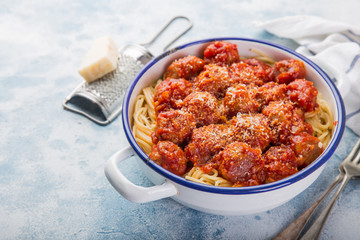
(52, 183)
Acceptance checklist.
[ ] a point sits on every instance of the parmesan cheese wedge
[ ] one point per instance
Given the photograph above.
(101, 59)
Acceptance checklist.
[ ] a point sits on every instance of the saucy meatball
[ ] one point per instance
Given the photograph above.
(242, 164)
(174, 125)
(252, 129)
(243, 73)
(304, 94)
(187, 68)
(213, 79)
(239, 100)
(287, 71)
(221, 53)
(280, 162)
(284, 121)
(170, 93)
(170, 156)
(208, 141)
(269, 92)
(261, 69)
(203, 106)
(306, 147)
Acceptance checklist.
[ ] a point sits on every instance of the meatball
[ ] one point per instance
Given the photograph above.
(221, 53)
(174, 125)
(208, 141)
(280, 162)
(252, 129)
(203, 106)
(284, 121)
(306, 147)
(170, 156)
(243, 73)
(269, 92)
(303, 94)
(242, 164)
(187, 68)
(213, 79)
(261, 69)
(239, 100)
(170, 93)
(287, 71)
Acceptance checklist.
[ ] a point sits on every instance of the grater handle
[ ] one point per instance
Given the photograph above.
(147, 44)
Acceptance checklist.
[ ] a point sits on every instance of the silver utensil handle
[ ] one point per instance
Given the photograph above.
(188, 27)
(295, 228)
(314, 231)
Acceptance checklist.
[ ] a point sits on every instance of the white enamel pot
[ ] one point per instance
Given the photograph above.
(211, 199)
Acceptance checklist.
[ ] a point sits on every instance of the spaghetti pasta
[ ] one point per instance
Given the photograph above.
(322, 121)
(262, 56)
(144, 118)
(212, 178)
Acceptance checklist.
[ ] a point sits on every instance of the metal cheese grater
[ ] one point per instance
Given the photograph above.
(101, 100)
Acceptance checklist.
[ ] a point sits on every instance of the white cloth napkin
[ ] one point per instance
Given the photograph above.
(336, 43)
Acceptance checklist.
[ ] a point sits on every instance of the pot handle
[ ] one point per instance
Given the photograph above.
(129, 190)
(341, 80)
